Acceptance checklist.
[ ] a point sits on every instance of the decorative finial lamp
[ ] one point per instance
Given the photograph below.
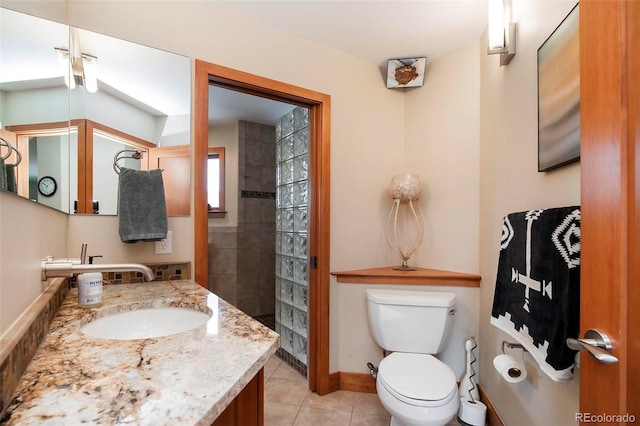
(405, 218)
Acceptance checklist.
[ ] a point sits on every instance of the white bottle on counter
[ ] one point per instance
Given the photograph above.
(90, 288)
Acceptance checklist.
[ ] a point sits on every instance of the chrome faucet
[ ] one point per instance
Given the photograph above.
(66, 267)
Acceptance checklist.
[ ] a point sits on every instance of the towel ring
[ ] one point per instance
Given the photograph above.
(4, 142)
(18, 157)
(135, 154)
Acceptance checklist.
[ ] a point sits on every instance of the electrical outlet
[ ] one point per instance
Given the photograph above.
(164, 246)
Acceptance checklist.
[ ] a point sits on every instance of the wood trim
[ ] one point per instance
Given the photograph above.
(319, 105)
(220, 211)
(363, 382)
(493, 418)
(265, 87)
(319, 283)
(24, 131)
(201, 143)
(422, 276)
(85, 130)
(334, 382)
(22, 171)
(43, 129)
(121, 136)
(86, 136)
(357, 382)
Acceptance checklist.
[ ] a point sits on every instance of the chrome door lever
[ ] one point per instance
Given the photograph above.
(596, 343)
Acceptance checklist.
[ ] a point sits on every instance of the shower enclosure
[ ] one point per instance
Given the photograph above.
(292, 189)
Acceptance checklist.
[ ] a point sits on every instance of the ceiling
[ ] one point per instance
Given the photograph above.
(373, 31)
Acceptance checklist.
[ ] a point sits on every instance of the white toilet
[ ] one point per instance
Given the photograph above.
(414, 386)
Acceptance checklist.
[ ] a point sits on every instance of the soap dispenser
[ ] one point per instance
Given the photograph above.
(90, 288)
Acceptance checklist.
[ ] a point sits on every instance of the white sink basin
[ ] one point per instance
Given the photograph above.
(145, 323)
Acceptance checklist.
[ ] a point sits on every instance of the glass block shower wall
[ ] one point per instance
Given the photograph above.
(292, 174)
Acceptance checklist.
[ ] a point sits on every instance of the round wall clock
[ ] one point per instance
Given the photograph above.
(47, 186)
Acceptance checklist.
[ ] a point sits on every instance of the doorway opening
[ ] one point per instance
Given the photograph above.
(318, 107)
(258, 249)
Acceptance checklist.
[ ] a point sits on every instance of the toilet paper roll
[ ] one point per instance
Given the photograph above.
(509, 368)
(472, 412)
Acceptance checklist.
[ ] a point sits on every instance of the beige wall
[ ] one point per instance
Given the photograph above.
(226, 135)
(28, 233)
(510, 182)
(441, 145)
(102, 238)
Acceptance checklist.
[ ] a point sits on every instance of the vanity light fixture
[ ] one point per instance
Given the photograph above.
(502, 32)
(65, 65)
(79, 71)
(90, 71)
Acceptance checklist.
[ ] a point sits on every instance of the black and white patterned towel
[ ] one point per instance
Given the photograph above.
(537, 295)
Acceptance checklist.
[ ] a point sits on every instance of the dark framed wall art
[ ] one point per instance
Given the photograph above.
(559, 96)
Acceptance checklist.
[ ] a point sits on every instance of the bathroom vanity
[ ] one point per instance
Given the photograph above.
(210, 374)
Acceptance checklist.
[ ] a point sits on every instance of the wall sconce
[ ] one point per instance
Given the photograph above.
(79, 71)
(405, 190)
(90, 72)
(502, 32)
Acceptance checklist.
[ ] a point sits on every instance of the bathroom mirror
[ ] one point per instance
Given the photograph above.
(118, 95)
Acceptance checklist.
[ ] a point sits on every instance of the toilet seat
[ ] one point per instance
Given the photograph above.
(417, 379)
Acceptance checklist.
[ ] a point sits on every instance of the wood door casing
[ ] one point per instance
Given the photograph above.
(175, 162)
(85, 131)
(610, 122)
(319, 105)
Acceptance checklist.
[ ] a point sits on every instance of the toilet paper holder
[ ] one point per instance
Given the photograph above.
(512, 346)
(510, 369)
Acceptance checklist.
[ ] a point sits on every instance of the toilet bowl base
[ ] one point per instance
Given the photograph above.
(403, 414)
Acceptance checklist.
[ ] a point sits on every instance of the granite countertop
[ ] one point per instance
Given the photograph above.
(187, 378)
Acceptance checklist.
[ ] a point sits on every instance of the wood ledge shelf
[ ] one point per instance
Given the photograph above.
(422, 276)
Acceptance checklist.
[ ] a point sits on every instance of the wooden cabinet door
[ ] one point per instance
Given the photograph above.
(247, 409)
(175, 162)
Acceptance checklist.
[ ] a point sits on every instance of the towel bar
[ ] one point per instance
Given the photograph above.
(135, 154)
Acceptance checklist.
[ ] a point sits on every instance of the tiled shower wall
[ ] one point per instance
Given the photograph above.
(242, 258)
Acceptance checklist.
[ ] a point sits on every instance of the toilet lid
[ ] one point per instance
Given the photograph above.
(417, 377)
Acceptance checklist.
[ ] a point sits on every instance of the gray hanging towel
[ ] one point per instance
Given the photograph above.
(10, 178)
(3, 175)
(537, 295)
(142, 211)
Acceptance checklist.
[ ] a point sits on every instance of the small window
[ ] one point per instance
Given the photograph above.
(215, 182)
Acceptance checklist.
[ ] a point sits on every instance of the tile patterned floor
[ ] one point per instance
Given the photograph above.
(289, 402)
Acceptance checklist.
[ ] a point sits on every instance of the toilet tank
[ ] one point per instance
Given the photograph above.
(410, 321)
